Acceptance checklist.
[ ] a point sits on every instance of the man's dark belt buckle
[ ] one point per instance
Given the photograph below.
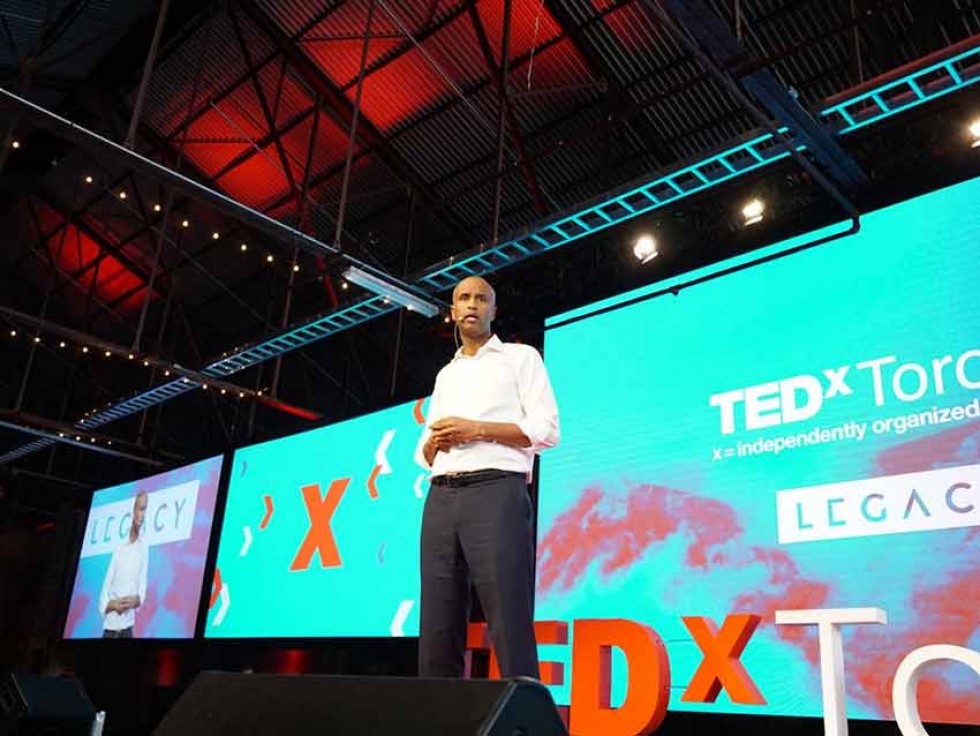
(457, 480)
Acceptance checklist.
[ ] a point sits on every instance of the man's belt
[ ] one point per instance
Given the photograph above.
(456, 480)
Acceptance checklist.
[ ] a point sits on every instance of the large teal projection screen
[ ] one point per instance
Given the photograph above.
(321, 533)
(802, 434)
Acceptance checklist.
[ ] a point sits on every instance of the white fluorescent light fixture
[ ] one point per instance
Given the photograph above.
(381, 287)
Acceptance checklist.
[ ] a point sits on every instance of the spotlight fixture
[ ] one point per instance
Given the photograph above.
(16, 144)
(754, 211)
(122, 194)
(215, 235)
(185, 223)
(645, 248)
(269, 258)
(88, 180)
(975, 133)
(157, 207)
(244, 247)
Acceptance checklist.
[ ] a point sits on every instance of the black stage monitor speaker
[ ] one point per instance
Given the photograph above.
(225, 704)
(36, 704)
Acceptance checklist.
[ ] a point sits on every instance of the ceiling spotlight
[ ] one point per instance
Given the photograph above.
(753, 211)
(244, 247)
(185, 223)
(88, 180)
(204, 386)
(61, 344)
(13, 333)
(16, 144)
(344, 285)
(78, 438)
(146, 364)
(241, 394)
(975, 133)
(157, 208)
(446, 319)
(122, 194)
(85, 348)
(37, 339)
(166, 373)
(131, 356)
(108, 354)
(645, 248)
(215, 235)
(296, 267)
(269, 258)
(223, 392)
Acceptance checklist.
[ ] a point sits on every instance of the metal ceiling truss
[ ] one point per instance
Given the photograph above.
(936, 76)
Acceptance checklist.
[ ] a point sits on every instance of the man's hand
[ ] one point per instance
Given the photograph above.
(123, 604)
(453, 431)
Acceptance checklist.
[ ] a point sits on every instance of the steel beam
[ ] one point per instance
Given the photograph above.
(188, 376)
(48, 430)
(937, 76)
(717, 43)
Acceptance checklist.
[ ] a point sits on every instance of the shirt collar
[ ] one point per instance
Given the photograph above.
(492, 345)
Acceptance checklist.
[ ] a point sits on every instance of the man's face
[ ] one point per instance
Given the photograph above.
(139, 511)
(474, 307)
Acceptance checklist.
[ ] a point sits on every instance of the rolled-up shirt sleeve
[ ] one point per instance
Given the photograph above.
(540, 423)
(143, 572)
(104, 595)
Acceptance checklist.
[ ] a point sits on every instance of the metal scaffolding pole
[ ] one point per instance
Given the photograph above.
(151, 58)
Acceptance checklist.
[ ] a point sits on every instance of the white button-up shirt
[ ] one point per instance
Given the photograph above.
(126, 576)
(503, 382)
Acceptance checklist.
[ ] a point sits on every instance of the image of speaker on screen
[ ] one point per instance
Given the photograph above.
(124, 587)
(142, 558)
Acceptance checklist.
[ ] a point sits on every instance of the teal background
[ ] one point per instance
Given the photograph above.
(377, 538)
(633, 386)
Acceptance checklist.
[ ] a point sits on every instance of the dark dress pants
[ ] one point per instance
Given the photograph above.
(480, 532)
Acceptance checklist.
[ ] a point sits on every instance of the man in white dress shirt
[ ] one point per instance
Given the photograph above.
(491, 411)
(124, 587)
